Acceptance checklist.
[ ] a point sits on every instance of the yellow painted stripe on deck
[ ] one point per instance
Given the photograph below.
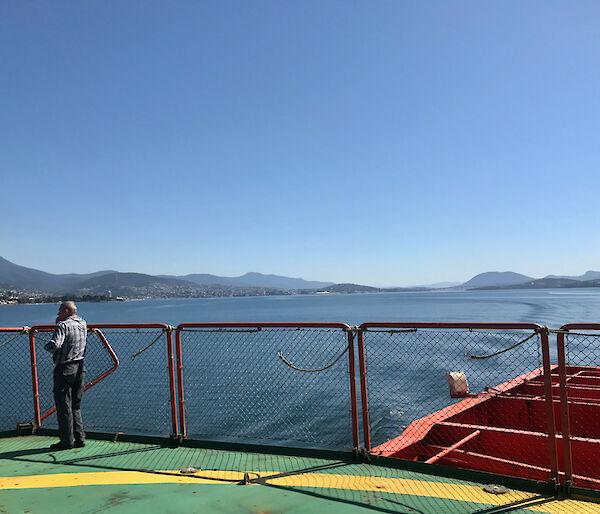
(118, 478)
(465, 493)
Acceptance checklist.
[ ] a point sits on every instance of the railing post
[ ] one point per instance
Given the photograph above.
(353, 399)
(550, 421)
(564, 409)
(182, 429)
(172, 396)
(363, 390)
(34, 381)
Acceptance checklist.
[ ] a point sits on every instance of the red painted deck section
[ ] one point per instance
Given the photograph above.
(504, 429)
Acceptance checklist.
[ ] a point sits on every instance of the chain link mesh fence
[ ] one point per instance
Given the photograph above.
(499, 425)
(253, 385)
(16, 400)
(135, 398)
(582, 358)
(290, 386)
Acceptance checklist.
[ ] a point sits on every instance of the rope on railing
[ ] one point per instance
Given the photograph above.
(19, 334)
(166, 329)
(505, 349)
(288, 363)
(225, 330)
(392, 331)
(569, 333)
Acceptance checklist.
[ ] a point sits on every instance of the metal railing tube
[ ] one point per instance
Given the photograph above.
(34, 381)
(182, 428)
(172, 395)
(363, 390)
(550, 421)
(564, 408)
(353, 399)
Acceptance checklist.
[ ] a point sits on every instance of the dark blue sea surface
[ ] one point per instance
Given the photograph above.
(237, 388)
(552, 307)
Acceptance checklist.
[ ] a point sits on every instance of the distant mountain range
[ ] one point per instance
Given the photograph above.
(440, 285)
(588, 275)
(547, 283)
(252, 280)
(19, 277)
(139, 285)
(511, 280)
(15, 277)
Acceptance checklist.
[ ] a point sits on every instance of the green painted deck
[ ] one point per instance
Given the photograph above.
(134, 477)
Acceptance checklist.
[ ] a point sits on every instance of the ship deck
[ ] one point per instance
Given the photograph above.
(135, 476)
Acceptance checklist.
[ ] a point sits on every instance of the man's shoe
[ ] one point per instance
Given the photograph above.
(79, 444)
(60, 446)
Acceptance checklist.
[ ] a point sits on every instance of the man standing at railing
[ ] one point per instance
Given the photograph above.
(68, 348)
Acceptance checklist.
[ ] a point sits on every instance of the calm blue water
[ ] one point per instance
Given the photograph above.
(550, 307)
(238, 389)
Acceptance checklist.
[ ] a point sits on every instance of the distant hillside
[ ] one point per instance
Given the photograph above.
(357, 288)
(203, 279)
(549, 283)
(13, 276)
(138, 285)
(496, 279)
(588, 275)
(351, 288)
(33, 283)
(254, 280)
(439, 285)
(113, 280)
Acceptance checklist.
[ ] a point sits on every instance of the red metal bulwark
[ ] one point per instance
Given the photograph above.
(526, 449)
(298, 325)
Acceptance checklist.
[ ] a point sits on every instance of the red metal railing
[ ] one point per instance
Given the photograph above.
(251, 327)
(460, 433)
(19, 368)
(567, 393)
(97, 329)
(39, 417)
(170, 359)
(579, 384)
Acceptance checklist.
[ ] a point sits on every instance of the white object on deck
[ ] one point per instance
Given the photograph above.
(457, 384)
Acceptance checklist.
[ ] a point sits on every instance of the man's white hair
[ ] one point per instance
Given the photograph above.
(70, 307)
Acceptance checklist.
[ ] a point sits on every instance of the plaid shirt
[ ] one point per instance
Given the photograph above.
(68, 341)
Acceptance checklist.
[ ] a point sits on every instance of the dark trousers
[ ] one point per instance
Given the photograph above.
(68, 392)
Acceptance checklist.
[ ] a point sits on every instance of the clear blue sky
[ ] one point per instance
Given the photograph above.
(377, 142)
